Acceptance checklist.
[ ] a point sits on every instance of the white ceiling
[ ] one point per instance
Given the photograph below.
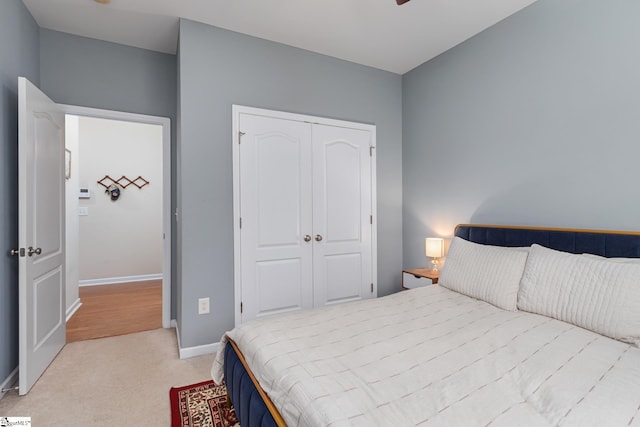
(377, 33)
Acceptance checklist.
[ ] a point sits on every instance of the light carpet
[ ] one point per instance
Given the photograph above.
(119, 380)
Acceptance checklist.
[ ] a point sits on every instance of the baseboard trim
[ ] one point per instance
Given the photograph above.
(188, 352)
(8, 382)
(73, 308)
(200, 350)
(123, 279)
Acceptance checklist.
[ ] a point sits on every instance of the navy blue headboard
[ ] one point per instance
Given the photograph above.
(604, 243)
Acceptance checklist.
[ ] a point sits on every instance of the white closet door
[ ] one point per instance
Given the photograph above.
(341, 215)
(275, 210)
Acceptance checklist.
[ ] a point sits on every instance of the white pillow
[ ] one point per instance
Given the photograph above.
(488, 273)
(627, 260)
(591, 292)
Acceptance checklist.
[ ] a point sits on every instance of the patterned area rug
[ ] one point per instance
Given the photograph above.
(201, 405)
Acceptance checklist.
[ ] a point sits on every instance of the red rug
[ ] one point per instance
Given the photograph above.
(201, 405)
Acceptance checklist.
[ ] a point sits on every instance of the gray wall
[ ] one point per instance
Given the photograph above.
(535, 121)
(92, 73)
(18, 57)
(219, 68)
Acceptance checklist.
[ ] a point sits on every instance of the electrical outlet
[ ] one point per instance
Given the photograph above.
(203, 305)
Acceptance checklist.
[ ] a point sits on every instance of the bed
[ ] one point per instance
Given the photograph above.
(529, 326)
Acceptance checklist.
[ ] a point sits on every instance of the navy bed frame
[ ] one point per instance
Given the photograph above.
(251, 408)
(604, 243)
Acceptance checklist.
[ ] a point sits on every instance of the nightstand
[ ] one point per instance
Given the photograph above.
(419, 277)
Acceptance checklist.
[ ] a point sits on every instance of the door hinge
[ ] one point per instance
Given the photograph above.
(241, 308)
(240, 222)
(371, 219)
(240, 135)
(372, 288)
(371, 148)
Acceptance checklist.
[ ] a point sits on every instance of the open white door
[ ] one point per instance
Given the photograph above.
(41, 232)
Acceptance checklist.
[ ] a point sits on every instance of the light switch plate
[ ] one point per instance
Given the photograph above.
(203, 305)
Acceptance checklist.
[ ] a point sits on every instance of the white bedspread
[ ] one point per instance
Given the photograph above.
(431, 356)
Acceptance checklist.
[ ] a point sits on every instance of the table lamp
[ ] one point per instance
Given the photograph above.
(434, 248)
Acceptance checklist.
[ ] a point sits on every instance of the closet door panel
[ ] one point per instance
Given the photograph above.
(280, 196)
(275, 204)
(343, 277)
(341, 214)
(278, 285)
(341, 170)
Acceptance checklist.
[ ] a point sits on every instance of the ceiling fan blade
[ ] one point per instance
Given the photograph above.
(401, 2)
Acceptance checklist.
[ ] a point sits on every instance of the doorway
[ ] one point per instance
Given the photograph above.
(118, 229)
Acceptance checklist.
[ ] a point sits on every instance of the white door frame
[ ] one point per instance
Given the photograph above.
(236, 110)
(166, 186)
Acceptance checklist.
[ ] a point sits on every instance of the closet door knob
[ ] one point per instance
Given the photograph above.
(307, 238)
(318, 238)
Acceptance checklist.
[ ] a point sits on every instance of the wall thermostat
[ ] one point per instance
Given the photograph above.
(84, 193)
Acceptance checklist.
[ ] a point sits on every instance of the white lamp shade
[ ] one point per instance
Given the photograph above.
(434, 247)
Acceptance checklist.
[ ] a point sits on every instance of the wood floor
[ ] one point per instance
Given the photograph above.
(118, 309)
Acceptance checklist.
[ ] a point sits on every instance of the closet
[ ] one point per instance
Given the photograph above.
(304, 207)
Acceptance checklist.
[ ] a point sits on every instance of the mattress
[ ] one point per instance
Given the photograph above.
(431, 356)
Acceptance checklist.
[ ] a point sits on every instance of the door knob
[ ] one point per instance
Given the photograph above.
(318, 238)
(36, 251)
(307, 238)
